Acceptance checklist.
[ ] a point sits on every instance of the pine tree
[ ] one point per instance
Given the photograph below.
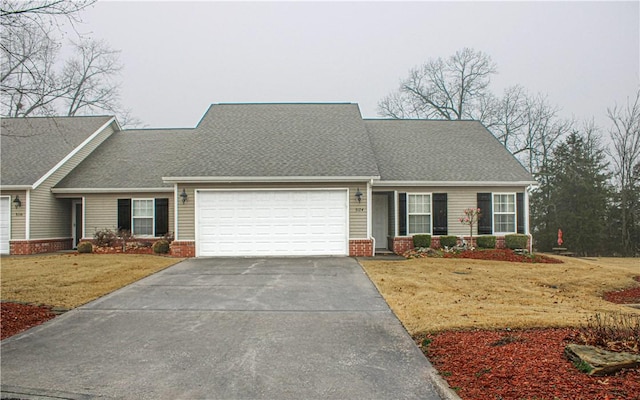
(573, 196)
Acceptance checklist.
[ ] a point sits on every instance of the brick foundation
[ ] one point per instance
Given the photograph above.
(405, 243)
(183, 248)
(402, 244)
(25, 247)
(361, 248)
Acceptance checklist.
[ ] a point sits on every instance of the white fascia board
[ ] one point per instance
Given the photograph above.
(296, 179)
(15, 187)
(454, 183)
(74, 152)
(111, 190)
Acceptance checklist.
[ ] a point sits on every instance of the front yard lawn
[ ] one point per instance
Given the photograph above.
(70, 280)
(497, 330)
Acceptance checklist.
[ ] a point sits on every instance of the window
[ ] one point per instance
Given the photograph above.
(419, 213)
(504, 212)
(142, 217)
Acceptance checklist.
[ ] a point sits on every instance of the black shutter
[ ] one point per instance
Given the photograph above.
(520, 211)
(162, 217)
(440, 214)
(124, 214)
(402, 214)
(486, 214)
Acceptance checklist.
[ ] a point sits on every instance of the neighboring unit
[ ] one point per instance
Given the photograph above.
(256, 180)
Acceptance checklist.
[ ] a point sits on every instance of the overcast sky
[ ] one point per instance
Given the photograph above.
(180, 57)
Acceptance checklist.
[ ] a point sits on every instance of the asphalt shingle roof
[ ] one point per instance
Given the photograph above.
(429, 150)
(131, 159)
(299, 140)
(318, 140)
(30, 147)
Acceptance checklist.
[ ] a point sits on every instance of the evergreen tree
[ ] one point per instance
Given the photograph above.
(573, 196)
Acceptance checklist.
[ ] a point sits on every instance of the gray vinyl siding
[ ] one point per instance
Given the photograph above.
(18, 215)
(51, 217)
(101, 209)
(458, 199)
(357, 211)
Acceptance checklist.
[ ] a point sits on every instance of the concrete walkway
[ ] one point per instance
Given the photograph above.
(291, 328)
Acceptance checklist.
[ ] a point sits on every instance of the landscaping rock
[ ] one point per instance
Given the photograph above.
(601, 361)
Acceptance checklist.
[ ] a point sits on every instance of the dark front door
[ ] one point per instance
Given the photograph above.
(77, 224)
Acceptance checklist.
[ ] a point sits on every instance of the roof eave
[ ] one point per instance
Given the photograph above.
(110, 190)
(288, 179)
(454, 183)
(16, 187)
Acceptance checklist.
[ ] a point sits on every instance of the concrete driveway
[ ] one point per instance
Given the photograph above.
(290, 328)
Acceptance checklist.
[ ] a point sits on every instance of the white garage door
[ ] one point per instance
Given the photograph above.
(271, 222)
(5, 226)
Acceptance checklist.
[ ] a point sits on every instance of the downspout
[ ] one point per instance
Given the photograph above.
(27, 217)
(175, 212)
(369, 216)
(526, 219)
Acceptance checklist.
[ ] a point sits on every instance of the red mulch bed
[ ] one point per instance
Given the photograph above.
(625, 296)
(503, 255)
(15, 317)
(521, 364)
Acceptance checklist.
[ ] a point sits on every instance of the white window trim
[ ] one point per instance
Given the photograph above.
(494, 213)
(430, 214)
(153, 217)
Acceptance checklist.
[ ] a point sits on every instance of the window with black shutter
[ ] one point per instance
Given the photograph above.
(161, 217)
(520, 212)
(486, 214)
(402, 214)
(124, 214)
(440, 223)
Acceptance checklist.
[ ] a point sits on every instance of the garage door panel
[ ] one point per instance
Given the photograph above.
(287, 222)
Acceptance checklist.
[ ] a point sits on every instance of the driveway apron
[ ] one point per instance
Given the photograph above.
(225, 328)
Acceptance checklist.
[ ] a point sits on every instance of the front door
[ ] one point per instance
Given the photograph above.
(380, 220)
(76, 221)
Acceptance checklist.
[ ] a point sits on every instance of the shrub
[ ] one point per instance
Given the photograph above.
(105, 237)
(85, 247)
(421, 241)
(515, 241)
(161, 247)
(614, 331)
(486, 242)
(448, 241)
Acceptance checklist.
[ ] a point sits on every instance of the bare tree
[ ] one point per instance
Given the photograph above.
(35, 82)
(88, 77)
(508, 117)
(625, 156)
(542, 131)
(29, 82)
(442, 89)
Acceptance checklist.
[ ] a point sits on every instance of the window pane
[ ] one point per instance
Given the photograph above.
(504, 223)
(143, 226)
(143, 208)
(504, 203)
(419, 224)
(419, 204)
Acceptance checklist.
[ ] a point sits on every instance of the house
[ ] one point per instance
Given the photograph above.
(256, 180)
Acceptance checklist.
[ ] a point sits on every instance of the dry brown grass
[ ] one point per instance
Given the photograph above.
(70, 280)
(432, 294)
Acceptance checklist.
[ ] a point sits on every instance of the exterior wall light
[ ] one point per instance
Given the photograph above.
(358, 195)
(183, 196)
(16, 202)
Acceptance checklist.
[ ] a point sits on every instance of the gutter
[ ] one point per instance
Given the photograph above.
(276, 179)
